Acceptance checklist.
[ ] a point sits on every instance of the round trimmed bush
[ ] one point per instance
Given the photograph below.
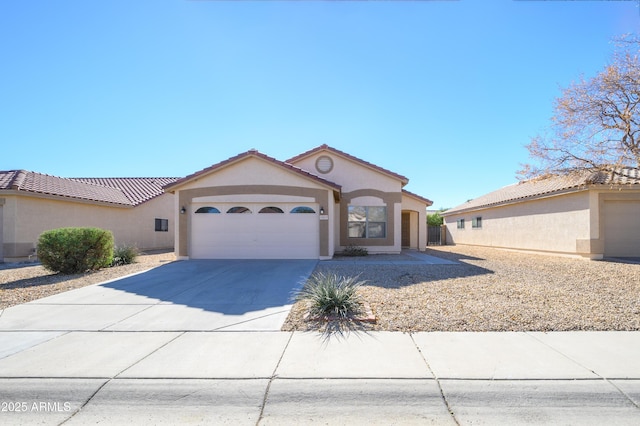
(75, 250)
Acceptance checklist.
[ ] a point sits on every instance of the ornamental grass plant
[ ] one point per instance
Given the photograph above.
(124, 255)
(331, 295)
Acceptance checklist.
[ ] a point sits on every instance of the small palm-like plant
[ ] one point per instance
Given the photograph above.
(331, 295)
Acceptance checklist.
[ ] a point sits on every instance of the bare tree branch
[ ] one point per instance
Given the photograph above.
(596, 124)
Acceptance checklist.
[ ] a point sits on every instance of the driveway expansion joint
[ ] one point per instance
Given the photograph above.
(271, 379)
(437, 381)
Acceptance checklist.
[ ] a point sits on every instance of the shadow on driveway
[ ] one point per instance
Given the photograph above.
(193, 295)
(231, 287)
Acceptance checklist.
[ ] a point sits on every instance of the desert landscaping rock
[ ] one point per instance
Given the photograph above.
(494, 290)
(22, 283)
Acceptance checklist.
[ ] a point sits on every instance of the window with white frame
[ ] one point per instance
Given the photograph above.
(367, 222)
(460, 223)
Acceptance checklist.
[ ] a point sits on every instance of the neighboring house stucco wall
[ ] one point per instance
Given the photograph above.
(2, 202)
(587, 223)
(556, 224)
(26, 216)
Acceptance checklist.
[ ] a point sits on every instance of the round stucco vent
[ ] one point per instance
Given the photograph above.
(324, 164)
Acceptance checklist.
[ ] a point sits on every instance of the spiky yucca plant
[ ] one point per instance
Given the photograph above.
(330, 294)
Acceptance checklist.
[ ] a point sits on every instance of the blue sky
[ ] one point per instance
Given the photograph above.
(445, 93)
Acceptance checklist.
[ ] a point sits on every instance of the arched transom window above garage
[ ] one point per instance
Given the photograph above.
(271, 209)
(302, 209)
(239, 209)
(207, 209)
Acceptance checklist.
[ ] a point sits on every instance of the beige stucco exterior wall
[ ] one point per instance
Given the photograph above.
(253, 179)
(250, 171)
(26, 217)
(351, 176)
(560, 224)
(418, 231)
(362, 186)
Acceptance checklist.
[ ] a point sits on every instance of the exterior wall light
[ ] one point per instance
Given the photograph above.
(183, 210)
(321, 210)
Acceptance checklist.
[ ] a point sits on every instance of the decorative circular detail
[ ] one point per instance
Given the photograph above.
(324, 164)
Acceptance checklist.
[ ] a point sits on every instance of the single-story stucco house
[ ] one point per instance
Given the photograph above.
(136, 210)
(591, 215)
(307, 207)
(249, 206)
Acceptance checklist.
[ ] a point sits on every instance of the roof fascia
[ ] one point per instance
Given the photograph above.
(53, 197)
(410, 194)
(252, 154)
(518, 200)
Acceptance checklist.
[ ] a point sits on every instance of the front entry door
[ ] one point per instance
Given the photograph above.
(406, 229)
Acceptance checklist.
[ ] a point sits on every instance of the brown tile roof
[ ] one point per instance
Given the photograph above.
(137, 190)
(549, 186)
(326, 147)
(252, 153)
(120, 191)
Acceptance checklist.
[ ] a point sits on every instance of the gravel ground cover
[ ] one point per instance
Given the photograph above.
(489, 290)
(24, 282)
(493, 290)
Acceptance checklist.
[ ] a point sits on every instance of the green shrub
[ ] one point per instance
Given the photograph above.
(352, 250)
(435, 219)
(330, 294)
(75, 250)
(124, 255)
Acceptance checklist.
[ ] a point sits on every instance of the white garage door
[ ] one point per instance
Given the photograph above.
(254, 231)
(622, 228)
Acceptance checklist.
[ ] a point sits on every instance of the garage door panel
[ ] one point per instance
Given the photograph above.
(622, 228)
(254, 235)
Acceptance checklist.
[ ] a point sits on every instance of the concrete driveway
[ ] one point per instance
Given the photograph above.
(195, 295)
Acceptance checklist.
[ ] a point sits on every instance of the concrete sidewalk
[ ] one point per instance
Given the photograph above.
(172, 377)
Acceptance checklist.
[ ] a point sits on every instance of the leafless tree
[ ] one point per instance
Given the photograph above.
(596, 122)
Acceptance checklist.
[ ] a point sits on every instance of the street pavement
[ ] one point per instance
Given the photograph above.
(98, 355)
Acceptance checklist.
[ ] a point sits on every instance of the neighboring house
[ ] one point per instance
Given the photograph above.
(592, 215)
(308, 207)
(136, 210)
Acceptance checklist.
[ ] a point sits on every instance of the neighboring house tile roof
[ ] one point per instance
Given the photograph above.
(120, 191)
(137, 190)
(326, 147)
(548, 186)
(252, 153)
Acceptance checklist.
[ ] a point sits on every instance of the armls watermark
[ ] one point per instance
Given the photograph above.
(35, 406)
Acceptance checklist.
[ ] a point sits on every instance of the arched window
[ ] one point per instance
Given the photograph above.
(207, 210)
(238, 209)
(302, 209)
(271, 209)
